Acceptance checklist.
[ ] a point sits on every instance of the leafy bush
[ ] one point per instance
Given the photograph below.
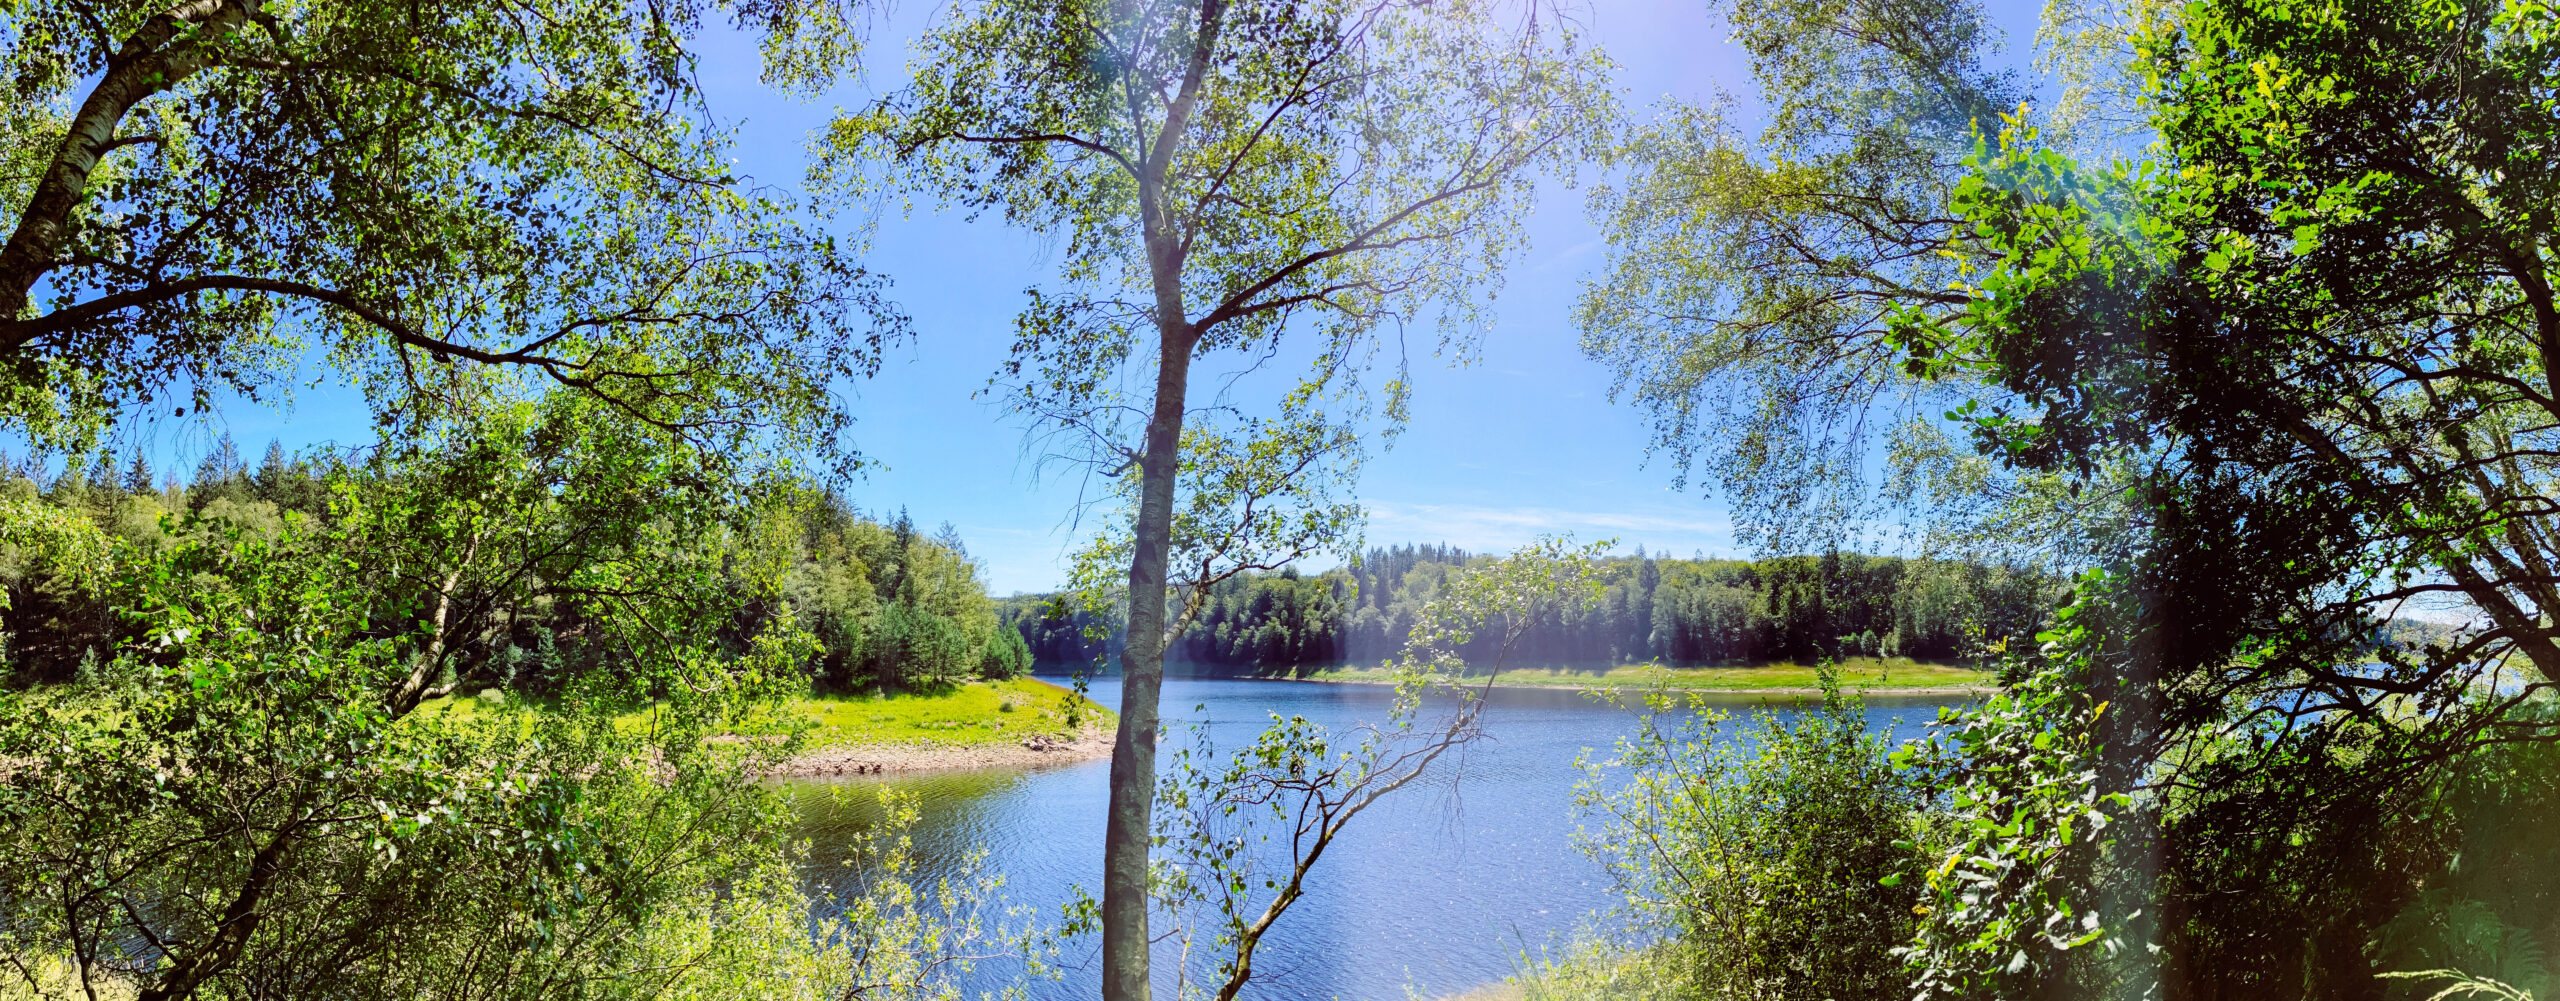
(2492, 909)
(2263, 857)
(233, 808)
(1597, 970)
(237, 804)
(2011, 909)
(1779, 864)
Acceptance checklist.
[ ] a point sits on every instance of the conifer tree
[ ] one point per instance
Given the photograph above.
(273, 469)
(220, 463)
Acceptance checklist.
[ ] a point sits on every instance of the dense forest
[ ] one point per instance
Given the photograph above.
(889, 607)
(1682, 612)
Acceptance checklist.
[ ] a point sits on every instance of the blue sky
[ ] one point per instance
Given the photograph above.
(1524, 441)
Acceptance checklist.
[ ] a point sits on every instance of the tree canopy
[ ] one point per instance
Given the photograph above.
(1750, 279)
(2308, 346)
(2326, 342)
(201, 197)
(2268, 388)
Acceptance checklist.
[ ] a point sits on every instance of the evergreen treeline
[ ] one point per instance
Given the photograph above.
(889, 607)
(894, 609)
(1687, 612)
(1061, 636)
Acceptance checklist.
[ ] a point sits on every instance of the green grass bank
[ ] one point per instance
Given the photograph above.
(1019, 722)
(973, 714)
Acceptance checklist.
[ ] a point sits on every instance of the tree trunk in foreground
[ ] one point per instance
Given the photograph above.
(1133, 752)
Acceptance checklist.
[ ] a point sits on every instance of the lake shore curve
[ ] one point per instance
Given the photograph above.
(1039, 751)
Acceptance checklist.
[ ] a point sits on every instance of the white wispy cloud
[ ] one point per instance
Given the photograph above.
(1567, 256)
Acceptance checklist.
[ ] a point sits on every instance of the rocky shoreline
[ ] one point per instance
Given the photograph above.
(1035, 751)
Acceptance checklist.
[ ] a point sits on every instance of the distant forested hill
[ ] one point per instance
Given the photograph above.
(1677, 611)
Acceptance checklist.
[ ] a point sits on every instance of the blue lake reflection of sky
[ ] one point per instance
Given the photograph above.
(1437, 889)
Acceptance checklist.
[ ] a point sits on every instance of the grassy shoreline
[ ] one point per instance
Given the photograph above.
(979, 724)
(1868, 675)
(1016, 723)
(971, 714)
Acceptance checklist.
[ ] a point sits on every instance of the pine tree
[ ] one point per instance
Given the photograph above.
(948, 537)
(272, 471)
(897, 579)
(220, 464)
(137, 475)
(73, 481)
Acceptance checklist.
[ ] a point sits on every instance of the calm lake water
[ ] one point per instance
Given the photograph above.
(1439, 888)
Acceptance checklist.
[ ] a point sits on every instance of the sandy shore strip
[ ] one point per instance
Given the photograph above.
(1037, 751)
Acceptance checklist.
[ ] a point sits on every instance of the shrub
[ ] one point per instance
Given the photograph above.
(1776, 863)
(1596, 970)
(2493, 910)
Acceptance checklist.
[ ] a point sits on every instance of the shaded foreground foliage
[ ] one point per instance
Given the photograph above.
(1810, 859)
(2280, 380)
(218, 782)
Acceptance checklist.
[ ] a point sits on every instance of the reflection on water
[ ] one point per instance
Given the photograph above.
(1438, 888)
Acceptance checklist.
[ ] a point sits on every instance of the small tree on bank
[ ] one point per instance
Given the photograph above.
(1243, 831)
(1226, 174)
